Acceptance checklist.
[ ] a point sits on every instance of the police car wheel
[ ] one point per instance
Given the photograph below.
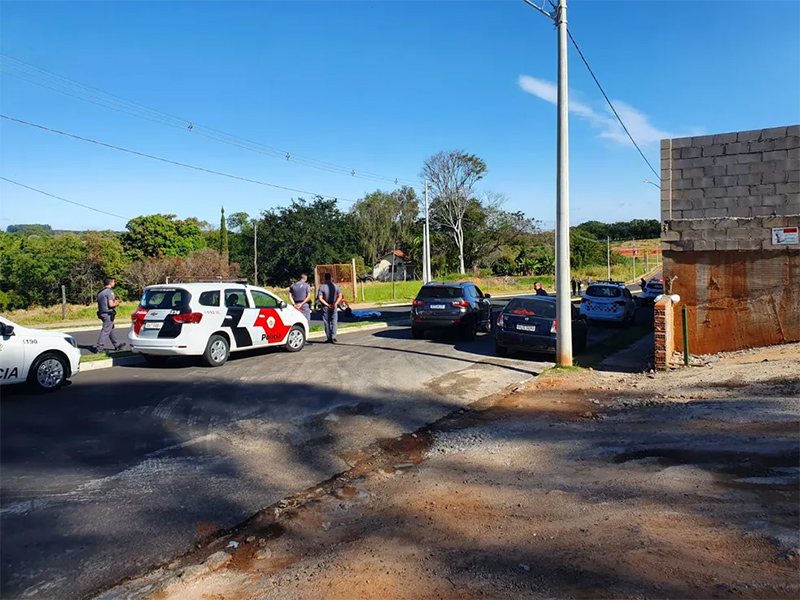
(216, 352)
(296, 339)
(48, 372)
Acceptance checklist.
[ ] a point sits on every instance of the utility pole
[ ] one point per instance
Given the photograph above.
(255, 252)
(427, 241)
(563, 304)
(633, 254)
(608, 256)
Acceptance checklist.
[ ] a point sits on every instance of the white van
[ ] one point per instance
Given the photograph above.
(212, 320)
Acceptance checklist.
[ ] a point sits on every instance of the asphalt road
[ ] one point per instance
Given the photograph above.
(127, 467)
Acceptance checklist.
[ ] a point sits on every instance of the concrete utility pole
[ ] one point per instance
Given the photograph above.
(563, 304)
(608, 256)
(255, 252)
(427, 241)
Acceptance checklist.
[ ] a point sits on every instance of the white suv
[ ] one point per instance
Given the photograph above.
(212, 320)
(652, 290)
(608, 301)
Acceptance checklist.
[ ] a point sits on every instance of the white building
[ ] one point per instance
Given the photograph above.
(382, 271)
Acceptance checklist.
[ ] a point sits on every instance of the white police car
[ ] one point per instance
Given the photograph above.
(608, 301)
(44, 359)
(652, 290)
(211, 320)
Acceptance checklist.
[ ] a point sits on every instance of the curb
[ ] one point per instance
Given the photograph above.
(96, 365)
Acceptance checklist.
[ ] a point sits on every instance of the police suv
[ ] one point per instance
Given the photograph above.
(211, 320)
(44, 359)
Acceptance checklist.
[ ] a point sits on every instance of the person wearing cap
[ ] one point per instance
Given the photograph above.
(330, 296)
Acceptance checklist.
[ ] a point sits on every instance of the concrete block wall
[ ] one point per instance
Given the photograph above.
(721, 195)
(727, 191)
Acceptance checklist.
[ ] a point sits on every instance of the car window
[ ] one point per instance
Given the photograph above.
(165, 298)
(439, 291)
(236, 298)
(603, 291)
(531, 307)
(627, 293)
(478, 292)
(210, 298)
(263, 300)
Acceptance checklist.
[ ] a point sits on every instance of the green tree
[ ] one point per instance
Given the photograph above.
(162, 235)
(223, 236)
(385, 219)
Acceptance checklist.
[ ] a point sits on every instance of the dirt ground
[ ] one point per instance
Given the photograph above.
(586, 484)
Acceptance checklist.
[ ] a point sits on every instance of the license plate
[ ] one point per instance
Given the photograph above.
(155, 325)
(439, 306)
(526, 327)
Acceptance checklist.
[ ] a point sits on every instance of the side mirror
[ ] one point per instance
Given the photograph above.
(8, 330)
(487, 296)
(283, 304)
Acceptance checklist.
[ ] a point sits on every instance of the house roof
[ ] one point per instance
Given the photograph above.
(398, 254)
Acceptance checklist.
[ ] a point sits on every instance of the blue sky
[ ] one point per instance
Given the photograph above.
(378, 87)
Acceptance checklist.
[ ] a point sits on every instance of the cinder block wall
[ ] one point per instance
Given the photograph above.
(721, 195)
(664, 332)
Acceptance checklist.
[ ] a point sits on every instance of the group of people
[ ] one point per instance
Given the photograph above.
(577, 285)
(329, 296)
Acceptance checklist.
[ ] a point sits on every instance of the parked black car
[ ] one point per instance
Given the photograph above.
(529, 324)
(461, 306)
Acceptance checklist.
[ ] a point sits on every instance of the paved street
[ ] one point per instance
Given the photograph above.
(127, 467)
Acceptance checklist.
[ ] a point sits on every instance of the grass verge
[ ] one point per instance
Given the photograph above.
(86, 358)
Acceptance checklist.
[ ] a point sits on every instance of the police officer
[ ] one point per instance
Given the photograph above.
(300, 293)
(574, 286)
(107, 304)
(330, 296)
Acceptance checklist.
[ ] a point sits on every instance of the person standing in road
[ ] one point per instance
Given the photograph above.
(574, 286)
(580, 287)
(107, 304)
(300, 293)
(330, 296)
(540, 291)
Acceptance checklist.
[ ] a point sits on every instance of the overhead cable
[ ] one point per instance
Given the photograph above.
(63, 199)
(172, 162)
(27, 72)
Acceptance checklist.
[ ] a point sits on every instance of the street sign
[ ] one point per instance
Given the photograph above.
(784, 236)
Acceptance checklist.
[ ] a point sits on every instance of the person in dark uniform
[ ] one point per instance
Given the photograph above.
(300, 293)
(107, 304)
(574, 286)
(330, 296)
(540, 291)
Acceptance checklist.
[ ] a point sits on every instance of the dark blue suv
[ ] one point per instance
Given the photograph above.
(460, 306)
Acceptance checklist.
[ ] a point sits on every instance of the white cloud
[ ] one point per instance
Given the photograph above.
(637, 123)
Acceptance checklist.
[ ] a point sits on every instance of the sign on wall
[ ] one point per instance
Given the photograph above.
(784, 236)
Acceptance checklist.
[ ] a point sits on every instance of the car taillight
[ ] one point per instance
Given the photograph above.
(188, 318)
(418, 303)
(554, 326)
(460, 303)
(137, 318)
(620, 302)
(584, 299)
(500, 319)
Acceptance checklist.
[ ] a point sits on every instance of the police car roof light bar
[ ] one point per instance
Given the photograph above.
(217, 279)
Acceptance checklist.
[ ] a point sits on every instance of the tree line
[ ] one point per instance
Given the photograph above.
(470, 231)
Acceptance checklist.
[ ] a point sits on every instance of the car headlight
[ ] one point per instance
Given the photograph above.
(71, 341)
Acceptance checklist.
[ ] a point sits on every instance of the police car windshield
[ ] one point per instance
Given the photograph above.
(440, 291)
(165, 298)
(603, 291)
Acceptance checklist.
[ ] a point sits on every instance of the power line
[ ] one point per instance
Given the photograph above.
(614, 110)
(27, 72)
(63, 199)
(172, 162)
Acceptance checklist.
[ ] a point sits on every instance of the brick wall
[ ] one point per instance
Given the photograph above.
(664, 333)
(721, 195)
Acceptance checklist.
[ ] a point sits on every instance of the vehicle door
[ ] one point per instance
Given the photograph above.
(13, 367)
(236, 303)
(631, 304)
(270, 323)
(483, 305)
(155, 318)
